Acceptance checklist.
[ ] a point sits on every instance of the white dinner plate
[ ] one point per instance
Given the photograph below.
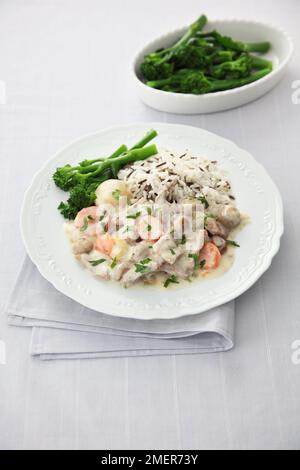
(243, 30)
(49, 249)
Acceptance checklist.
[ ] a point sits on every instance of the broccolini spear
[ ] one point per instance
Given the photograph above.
(82, 180)
(158, 64)
(83, 194)
(194, 28)
(241, 67)
(238, 46)
(195, 82)
(219, 56)
(145, 140)
(260, 63)
(128, 157)
(67, 177)
(117, 153)
(196, 53)
(122, 149)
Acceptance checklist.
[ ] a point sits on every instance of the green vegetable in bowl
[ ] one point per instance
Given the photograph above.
(205, 62)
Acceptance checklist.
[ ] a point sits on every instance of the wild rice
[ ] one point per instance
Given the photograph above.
(175, 177)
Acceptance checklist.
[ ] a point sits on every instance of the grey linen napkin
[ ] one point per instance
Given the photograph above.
(63, 328)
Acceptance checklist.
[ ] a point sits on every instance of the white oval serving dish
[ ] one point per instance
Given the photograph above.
(243, 30)
(49, 249)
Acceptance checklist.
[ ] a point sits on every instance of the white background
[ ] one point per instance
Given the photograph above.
(66, 68)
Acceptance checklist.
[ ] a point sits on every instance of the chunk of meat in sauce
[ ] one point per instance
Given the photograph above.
(82, 245)
(229, 216)
(183, 267)
(214, 227)
(219, 242)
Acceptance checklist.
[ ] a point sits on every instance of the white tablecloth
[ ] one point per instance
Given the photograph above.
(66, 69)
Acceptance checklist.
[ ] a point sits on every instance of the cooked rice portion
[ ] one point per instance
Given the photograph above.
(175, 177)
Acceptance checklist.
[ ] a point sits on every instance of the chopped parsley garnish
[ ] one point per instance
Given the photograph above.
(202, 263)
(208, 216)
(90, 217)
(171, 280)
(96, 262)
(141, 266)
(196, 260)
(232, 243)
(134, 216)
(149, 227)
(197, 263)
(183, 240)
(149, 210)
(172, 251)
(104, 227)
(116, 194)
(85, 224)
(114, 263)
(102, 216)
(204, 201)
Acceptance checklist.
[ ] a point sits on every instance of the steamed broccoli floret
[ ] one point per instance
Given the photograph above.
(233, 69)
(219, 56)
(195, 54)
(154, 69)
(240, 67)
(82, 195)
(66, 177)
